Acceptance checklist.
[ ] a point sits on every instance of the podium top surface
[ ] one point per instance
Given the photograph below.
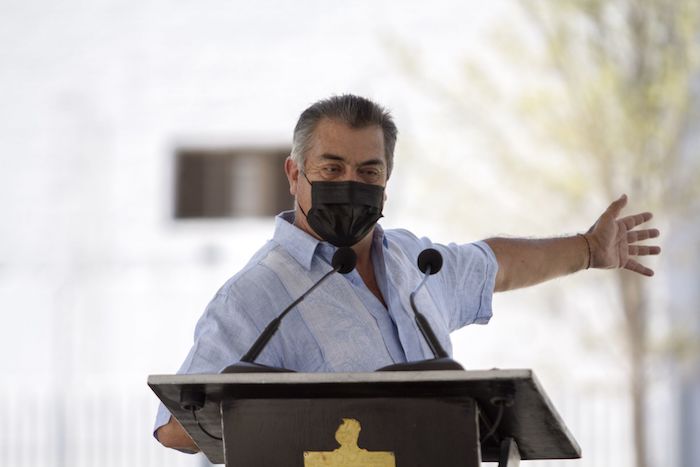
(531, 420)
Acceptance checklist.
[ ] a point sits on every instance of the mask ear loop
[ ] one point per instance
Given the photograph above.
(309, 182)
(304, 174)
(302, 210)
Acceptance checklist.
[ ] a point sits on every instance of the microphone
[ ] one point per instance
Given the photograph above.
(429, 263)
(343, 261)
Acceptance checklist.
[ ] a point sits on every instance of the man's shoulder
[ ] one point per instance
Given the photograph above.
(255, 274)
(401, 235)
(405, 240)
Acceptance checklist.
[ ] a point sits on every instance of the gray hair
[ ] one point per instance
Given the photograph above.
(356, 112)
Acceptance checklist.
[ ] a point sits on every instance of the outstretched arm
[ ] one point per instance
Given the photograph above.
(609, 243)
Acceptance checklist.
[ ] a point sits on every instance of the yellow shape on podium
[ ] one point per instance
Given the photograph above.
(349, 454)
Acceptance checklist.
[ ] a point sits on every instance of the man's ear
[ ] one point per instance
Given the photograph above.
(292, 171)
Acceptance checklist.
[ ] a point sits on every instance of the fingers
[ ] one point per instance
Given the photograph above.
(633, 221)
(634, 266)
(641, 250)
(639, 235)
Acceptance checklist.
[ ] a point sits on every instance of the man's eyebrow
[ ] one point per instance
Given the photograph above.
(372, 162)
(334, 157)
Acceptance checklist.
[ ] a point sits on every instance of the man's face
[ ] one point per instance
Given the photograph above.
(338, 153)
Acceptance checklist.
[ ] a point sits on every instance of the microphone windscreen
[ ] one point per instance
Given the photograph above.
(344, 260)
(430, 257)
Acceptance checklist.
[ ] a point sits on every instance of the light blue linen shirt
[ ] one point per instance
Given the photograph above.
(341, 326)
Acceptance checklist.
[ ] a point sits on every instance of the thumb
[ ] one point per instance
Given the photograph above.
(615, 207)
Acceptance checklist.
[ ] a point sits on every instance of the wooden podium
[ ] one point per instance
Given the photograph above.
(380, 419)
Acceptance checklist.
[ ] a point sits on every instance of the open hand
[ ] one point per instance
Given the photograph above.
(613, 243)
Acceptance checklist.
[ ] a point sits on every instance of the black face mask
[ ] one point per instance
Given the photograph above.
(343, 212)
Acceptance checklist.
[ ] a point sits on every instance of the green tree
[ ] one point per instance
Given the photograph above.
(609, 92)
(625, 105)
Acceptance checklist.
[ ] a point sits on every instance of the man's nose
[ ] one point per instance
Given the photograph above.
(351, 175)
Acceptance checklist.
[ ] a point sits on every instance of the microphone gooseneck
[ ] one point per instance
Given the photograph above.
(343, 261)
(429, 262)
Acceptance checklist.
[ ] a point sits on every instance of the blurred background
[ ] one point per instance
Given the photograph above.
(141, 152)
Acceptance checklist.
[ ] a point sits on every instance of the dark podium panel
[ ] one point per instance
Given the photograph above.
(415, 431)
(426, 418)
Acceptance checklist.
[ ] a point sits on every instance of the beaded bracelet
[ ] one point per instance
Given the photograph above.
(589, 250)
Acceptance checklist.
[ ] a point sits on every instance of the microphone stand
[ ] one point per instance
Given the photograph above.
(429, 262)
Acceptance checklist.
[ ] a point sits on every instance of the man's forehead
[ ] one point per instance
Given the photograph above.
(335, 140)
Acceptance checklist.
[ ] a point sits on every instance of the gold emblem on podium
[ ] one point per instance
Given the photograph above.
(349, 454)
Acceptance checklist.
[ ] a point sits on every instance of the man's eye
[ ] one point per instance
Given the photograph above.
(331, 171)
(370, 173)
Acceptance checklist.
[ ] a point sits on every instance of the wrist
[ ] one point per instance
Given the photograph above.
(588, 254)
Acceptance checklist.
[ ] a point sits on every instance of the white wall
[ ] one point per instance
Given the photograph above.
(100, 287)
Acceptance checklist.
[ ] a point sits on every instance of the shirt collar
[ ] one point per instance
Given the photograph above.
(298, 243)
(303, 246)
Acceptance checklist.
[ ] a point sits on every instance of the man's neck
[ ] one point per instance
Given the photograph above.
(363, 250)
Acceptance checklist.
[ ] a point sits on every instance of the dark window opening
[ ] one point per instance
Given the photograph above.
(225, 183)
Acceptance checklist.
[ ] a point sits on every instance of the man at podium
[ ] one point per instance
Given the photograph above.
(342, 158)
